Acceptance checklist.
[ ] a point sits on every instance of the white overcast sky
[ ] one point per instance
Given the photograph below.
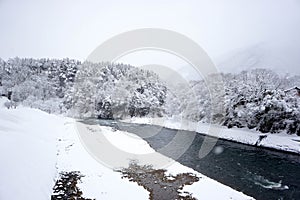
(71, 28)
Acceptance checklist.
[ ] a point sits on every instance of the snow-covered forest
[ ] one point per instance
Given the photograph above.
(78, 89)
(257, 99)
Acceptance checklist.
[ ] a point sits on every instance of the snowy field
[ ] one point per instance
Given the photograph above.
(36, 146)
(281, 141)
(27, 152)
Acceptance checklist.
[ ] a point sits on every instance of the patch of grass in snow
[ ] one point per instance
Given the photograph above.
(160, 185)
(66, 188)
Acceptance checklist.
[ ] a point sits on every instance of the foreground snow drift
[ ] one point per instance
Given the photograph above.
(282, 141)
(36, 146)
(27, 152)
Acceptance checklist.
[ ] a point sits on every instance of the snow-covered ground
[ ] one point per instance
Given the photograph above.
(27, 152)
(282, 141)
(36, 146)
(99, 181)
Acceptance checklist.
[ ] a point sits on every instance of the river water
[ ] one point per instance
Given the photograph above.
(261, 173)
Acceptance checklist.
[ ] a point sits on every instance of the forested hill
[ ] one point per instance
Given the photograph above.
(257, 99)
(78, 89)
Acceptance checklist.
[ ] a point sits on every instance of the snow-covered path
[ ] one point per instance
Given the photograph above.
(36, 146)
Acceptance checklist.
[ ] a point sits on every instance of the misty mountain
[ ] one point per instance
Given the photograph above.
(282, 60)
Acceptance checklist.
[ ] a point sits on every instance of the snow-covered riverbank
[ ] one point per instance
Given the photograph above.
(282, 141)
(36, 146)
(27, 152)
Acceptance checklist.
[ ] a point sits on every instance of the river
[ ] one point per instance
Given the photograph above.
(261, 173)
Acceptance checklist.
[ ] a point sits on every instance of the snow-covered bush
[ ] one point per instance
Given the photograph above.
(257, 99)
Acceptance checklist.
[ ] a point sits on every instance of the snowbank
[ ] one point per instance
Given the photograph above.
(284, 142)
(27, 152)
(99, 181)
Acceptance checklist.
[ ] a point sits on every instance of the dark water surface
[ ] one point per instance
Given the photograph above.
(261, 173)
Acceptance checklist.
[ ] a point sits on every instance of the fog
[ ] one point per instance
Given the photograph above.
(73, 29)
